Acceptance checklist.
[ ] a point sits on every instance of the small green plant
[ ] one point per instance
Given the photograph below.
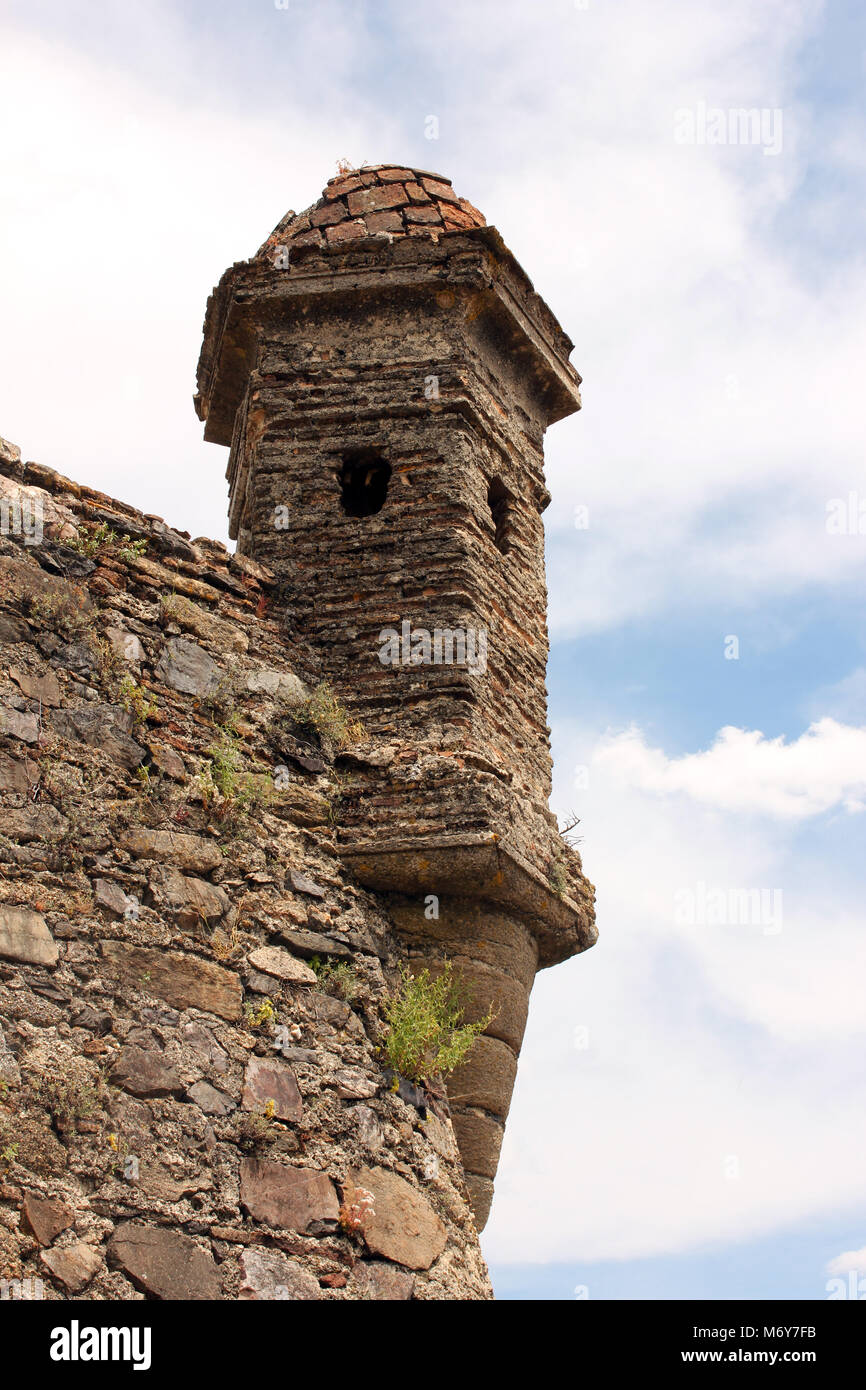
(557, 878)
(427, 1035)
(223, 787)
(171, 606)
(225, 765)
(145, 780)
(323, 712)
(260, 1015)
(9, 1154)
(557, 875)
(131, 550)
(68, 1093)
(91, 541)
(66, 613)
(336, 977)
(255, 1129)
(136, 701)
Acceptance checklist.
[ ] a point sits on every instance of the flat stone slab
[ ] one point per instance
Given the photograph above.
(145, 1073)
(194, 900)
(19, 724)
(194, 853)
(74, 1265)
(111, 896)
(278, 684)
(272, 1082)
(164, 1263)
(126, 645)
(291, 1199)
(184, 981)
(404, 1227)
(45, 688)
(106, 727)
(273, 961)
(185, 666)
(24, 935)
(16, 774)
(46, 1217)
(302, 883)
(210, 1100)
(313, 943)
(270, 1275)
(353, 1084)
(375, 1279)
(28, 823)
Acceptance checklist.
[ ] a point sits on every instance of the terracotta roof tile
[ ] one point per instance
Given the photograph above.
(383, 199)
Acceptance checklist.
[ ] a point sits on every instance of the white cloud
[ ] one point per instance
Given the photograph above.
(122, 204)
(746, 772)
(720, 1096)
(846, 1262)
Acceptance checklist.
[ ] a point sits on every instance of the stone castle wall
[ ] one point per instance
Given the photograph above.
(185, 1108)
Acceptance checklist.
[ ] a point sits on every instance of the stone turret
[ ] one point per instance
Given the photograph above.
(383, 373)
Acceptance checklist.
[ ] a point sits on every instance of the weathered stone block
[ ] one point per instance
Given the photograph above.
(106, 727)
(24, 935)
(268, 1274)
(210, 1100)
(272, 1083)
(404, 1228)
(375, 1279)
(293, 1199)
(74, 1265)
(194, 853)
(46, 1217)
(480, 1140)
(186, 667)
(184, 981)
(486, 1078)
(145, 1073)
(164, 1263)
(273, 961)
(194, 900)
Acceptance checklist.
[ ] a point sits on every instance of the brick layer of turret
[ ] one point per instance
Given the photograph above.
(386, 199)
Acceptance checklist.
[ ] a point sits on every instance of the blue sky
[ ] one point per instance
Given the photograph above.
(705, 1138)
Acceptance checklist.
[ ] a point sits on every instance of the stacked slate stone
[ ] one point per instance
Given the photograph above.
(187, 1107)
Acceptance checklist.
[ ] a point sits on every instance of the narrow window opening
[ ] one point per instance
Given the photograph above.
(500, 502)
(364, 478)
